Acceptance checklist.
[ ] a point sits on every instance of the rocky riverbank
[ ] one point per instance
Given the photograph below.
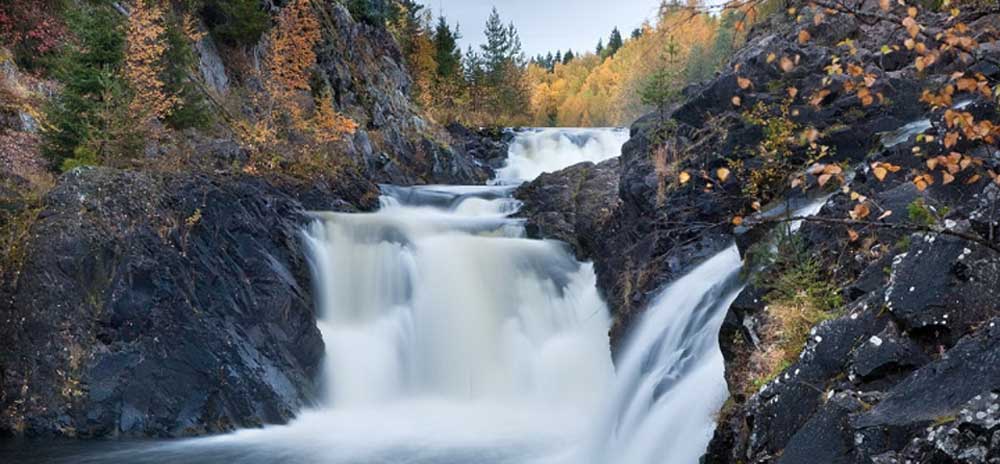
(901, 364)
(172, 299)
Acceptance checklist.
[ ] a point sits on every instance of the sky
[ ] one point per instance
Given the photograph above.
(548, 25)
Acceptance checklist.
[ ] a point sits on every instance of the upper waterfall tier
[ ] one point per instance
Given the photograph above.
(537, 151)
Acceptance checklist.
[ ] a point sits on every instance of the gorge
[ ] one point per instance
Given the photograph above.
(791, 255)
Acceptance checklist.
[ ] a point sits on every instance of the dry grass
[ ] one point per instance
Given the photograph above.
(801, 296)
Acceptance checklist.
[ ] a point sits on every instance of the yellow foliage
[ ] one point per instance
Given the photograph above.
(146, 45)
(591, 91)
(289, 103)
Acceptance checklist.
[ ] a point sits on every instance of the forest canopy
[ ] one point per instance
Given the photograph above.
(495, 84)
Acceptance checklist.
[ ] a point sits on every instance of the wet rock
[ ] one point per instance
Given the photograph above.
(823, 438)
(572, 205)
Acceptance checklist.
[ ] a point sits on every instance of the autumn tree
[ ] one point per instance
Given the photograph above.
(34, 30)
(291, 103)
(145, 53)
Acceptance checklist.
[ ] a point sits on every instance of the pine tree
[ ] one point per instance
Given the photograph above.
(558, 59)
(82, 117)
(192, 109)
(615, 42)
(447, 53)
(569, 56)
(636, 33)
(497, 47)
(236, 22)
(514, 51)
(600, 48)
(662, 87)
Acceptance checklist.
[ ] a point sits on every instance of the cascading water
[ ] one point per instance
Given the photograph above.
(536, 151)
(450, 338)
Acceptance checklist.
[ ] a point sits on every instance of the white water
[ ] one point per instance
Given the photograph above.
(537, 151)
(452, 339)
(670, 382)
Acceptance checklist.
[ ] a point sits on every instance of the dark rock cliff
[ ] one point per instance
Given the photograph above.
(164, 305)
(905, 370)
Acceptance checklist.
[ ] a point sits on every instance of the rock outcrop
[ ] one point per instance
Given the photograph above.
(573, 205)
(904, 370)
(394, 144)
(164, 305)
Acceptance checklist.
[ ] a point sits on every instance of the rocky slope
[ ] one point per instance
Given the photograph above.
(905, 368)
(177, 302)
(366, 72)
(164, 305)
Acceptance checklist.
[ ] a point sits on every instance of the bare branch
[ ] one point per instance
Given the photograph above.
(904, 226)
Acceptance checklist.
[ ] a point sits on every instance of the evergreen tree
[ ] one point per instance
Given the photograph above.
(600, 48)
(514, 52)
(637, 33)
(192, 109)
(93, 103)
(558, 59)
(406, 24)
(662, 86)
(496, 50)
(568, 57)
(447, 53)
(472, 66)
(615, 42)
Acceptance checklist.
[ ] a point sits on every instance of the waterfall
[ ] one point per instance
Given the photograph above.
(670, 378)
(450, 303)
(451, 339)
(536, 151)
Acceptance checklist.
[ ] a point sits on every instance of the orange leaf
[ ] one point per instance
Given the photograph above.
(792, 92)
(737, 221)
(880, 173)
(973, 179)
(948, 178)
(833, 169)
(804, 36)
(787, 65)
(722, 174)
(743, 82)
(860, 211)
(852, 235)
(684, 177)
(824, 179)
(950, 139)
(736, 100)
